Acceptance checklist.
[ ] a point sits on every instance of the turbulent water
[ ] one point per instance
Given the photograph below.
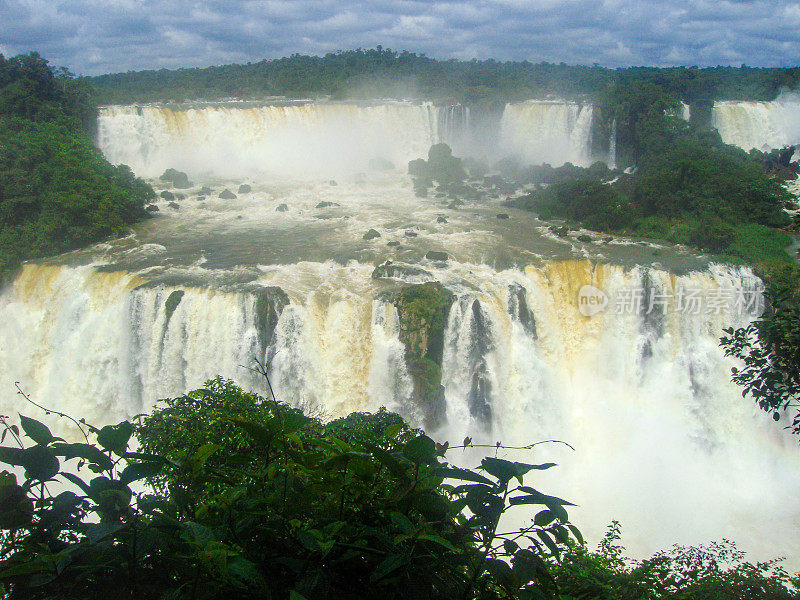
(760, 125)
(663, 441)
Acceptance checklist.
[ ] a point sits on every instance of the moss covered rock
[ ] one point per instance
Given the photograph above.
(423, 310)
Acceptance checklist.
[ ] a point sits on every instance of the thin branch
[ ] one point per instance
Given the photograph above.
(50, 410)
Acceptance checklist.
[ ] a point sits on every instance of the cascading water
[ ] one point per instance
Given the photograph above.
(545, 131)
(612, 146)
(663, 440)
(760, 125)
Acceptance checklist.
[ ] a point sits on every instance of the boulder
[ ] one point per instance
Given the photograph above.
(326, 204)
(226, 194)
(205, 191)
(380, 164)
(441, 219)
(502, 216)
(174, 205)
(152, 208)
(407, 273)
(245, 189)
(436, 255)
(371, 235)
(411, 234)
(167, 195)
(393, 243)
(179, 179)
(333, 182)
(585, 238)
(282, 208)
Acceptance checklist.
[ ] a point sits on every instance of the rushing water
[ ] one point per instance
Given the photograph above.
(663, 441)
(760, 125)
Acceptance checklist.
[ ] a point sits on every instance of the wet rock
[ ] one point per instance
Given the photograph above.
(167, 195)
(394, 243)
(174, 205)
(411, 234)
(518, 308)
(200, 198)
(180, 197)
(270, 302)
(245, 189)
(282, 208)
(332, 182)
(371, 235)
(326, 204)
(502, 216)
(205, 191)
(423, 311)
(408, 273)
(380, 164)
(436, 255)
(560, 231)
(586, 239)
(226, 194)
(441, 219)
(173, 300)
(152, 208)
(456, 203)
(179, 179)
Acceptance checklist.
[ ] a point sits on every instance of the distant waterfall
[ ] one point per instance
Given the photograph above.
(760, 125)
(544, 131)
(316, 139)
(612, 146)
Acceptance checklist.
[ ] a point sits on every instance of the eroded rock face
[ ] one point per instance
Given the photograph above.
(270, 302)
(226, 194)
(245, 189)
(372, 234)
(402, 272)
(423, 310)
(179, 179)
(518, 309)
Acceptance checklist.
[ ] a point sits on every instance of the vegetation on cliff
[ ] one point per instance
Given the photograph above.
(57, 192)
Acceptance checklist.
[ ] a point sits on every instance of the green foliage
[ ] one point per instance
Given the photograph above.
(57, 192)
(769, 349)
(597, 205)
(380, 72)
(253, 499)
(716, 571)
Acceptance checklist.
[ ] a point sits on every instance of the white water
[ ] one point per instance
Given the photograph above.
(664, 442)
(760, 125)
(552, 132)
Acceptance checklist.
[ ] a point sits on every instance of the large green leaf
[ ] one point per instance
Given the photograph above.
(115, 437)
(35, 430)
(463, 475)
(40, 463)
(421, 449)
(90, 453)
(11, 456)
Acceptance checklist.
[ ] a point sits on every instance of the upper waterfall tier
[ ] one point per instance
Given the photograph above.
(329, 139)
(760, 125)
(551, 132)
(323, 139)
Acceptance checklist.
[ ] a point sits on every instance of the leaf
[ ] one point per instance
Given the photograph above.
(438, 540)
(11, 456)
(140, 470)
(92, 454)
(421, 449)
(40, 463)
(576, 532)
(115, 437)
(293, 595)
(203, 453)
(35, 430)
(505, 470)
(390, 564)
(402, 522)
(544, 517)
(535, 497)
(260, 434)
(464, 475)
(77, 481)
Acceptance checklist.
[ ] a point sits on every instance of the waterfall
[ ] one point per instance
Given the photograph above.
(319, 139)
(663, 440)
(760, 125)
(545, 131)
(612, 146)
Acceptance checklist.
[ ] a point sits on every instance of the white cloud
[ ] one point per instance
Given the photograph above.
(94, 36)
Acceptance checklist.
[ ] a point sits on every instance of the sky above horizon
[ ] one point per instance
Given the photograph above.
(102, 36)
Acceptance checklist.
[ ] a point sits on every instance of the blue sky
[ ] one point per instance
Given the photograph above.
(100, 36)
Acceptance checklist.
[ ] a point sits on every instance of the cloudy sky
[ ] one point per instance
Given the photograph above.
(100, 36)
